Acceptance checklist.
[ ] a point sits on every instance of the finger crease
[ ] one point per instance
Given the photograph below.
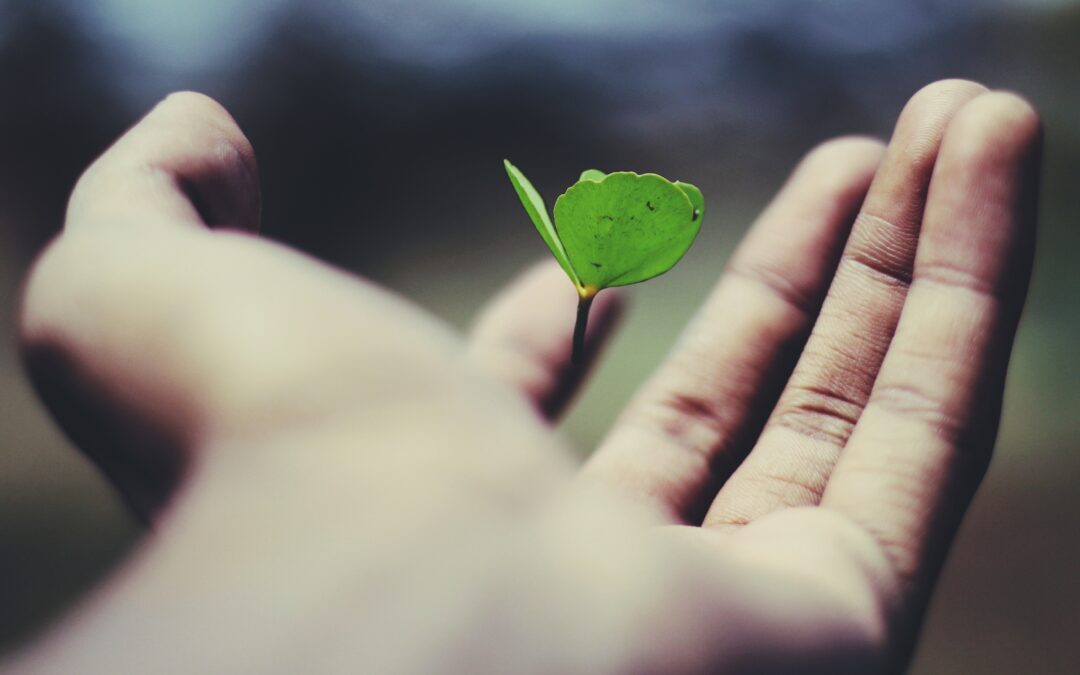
(913, 402)
(820, 413)
(951, 276)
(896, 276)
(684, 412)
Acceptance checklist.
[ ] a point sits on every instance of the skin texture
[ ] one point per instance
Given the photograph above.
(334, 482)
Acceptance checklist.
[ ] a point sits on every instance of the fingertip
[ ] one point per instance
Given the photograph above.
(947, 88)
(841, 164)
(981, 215)
(179, 116)
(994, 123)
(186, 161)
(228, 194)
(523, 337)
(940, 93)
(194, 104)
(192, 107)
(926, 115)
(855, 149)
(546, 279)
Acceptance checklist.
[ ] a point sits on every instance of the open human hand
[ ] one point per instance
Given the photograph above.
(335, 482)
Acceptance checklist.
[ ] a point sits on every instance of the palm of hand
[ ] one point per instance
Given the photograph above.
(319, 458)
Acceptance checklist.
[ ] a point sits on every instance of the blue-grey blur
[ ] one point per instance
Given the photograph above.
(380, 126)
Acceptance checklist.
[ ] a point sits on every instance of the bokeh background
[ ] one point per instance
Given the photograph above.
(380, 126)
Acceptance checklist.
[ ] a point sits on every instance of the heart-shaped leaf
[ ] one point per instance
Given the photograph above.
(614, 229)
(625, 228)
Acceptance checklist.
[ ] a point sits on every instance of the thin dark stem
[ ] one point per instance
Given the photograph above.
(578, 353)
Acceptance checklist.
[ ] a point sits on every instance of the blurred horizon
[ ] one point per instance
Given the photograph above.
(376, 112)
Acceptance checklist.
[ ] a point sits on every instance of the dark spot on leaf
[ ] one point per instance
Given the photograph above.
(606, 217)
(649, 206)
(696, 214)
(596, 265)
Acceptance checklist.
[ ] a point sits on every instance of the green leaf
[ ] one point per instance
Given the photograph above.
(534, 206)
(694, 195)
(613, 230)
(626, 228)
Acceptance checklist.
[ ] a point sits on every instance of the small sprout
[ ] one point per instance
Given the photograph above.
(613, 230)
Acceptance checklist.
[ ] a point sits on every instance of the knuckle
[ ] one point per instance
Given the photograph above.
(794, 488)
(692, 420)
(882, 263)
(818, 412)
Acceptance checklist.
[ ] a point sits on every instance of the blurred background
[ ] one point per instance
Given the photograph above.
(380, 126)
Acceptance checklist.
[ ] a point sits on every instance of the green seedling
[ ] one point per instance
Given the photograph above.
(612, 230)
